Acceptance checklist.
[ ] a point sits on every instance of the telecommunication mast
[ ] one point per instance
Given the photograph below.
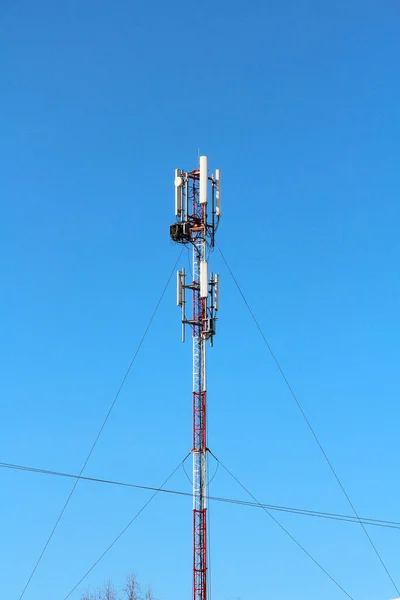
(198, 211)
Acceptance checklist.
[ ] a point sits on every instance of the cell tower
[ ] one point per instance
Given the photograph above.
(198, 214)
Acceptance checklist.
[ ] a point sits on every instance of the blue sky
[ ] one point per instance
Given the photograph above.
(298, 103)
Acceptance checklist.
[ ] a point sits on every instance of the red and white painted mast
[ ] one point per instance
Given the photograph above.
(198, 212)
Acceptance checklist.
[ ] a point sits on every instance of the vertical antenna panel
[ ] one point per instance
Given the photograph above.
(186, 207)
(178, 192)
(180, 290)
(216, 291)
(218, 193)
(203, 179)
(203, 279)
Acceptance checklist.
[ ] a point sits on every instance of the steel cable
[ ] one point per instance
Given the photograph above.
(314, 560)
(336, 476)
(63, 509)
(121, 533)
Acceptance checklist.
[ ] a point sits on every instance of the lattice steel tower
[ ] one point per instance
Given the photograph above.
(198, 213)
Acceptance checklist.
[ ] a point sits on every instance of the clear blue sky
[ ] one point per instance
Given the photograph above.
(298, 103)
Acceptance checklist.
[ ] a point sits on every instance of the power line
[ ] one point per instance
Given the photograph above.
(274, 507)
(121, 533)
(100, 430)
(336, 476)
(284, 529)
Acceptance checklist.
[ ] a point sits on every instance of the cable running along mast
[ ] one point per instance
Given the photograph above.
(198, 213)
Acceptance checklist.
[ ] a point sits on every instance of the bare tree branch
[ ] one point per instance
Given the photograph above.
(132, 588)
(131, 591)
(109, 592)
(149, 594)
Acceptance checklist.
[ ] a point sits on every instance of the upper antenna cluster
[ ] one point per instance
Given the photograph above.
(198, 212)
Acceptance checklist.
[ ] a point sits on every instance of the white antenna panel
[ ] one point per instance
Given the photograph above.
(203, 279)
(218, 193)
(203, 179)
(216, 291)
(178, 192)
(180, 289)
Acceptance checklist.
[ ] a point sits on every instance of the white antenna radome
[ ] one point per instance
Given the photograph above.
(203, 180)
(216, 291)
(180, 287)
(203, 279)
(218, 192)
(178, 192)
(180, 297)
